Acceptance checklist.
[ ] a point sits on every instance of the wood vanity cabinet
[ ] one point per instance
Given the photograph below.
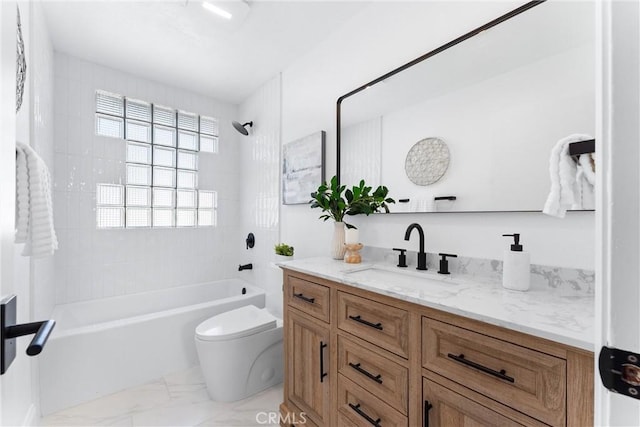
(358, 358)
(306, 340)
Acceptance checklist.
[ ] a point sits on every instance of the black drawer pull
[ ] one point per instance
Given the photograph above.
(303, 298)
(357, 318)
(322, 372)
(376, 378)
(364, 415)
(500, 374)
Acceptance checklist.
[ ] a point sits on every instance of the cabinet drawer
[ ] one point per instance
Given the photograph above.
(362, 408)
(378, 323)
(343, 421)
(526, 380)
(308, 297)
(446, 408)
(379, 375)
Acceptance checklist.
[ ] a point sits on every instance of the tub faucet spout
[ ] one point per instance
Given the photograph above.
(422, 256)
(245, 267)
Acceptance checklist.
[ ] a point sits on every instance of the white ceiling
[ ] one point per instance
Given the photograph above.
(181, 44)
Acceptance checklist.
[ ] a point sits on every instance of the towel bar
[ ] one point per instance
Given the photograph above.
(582, 147)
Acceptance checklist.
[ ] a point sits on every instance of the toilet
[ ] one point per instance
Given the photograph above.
(240, 352)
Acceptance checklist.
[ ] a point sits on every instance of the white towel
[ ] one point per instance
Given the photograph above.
(22, 196)
(565, 192)
(586, 182)
(34, 221)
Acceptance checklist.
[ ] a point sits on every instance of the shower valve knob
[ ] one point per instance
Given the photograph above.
(251, 241)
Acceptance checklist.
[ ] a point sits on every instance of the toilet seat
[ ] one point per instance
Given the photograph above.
(241, 322)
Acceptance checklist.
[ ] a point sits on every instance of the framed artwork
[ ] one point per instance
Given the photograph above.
(302, 168)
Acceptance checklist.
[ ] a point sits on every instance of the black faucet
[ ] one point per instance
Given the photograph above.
(245, 267)
(422, 256)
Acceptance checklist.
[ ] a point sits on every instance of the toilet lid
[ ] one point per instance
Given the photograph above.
(243, 321)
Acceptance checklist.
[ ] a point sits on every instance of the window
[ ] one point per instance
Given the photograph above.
(163, 145)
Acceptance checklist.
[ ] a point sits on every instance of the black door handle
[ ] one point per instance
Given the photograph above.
(42, 330)
(500, 374)
(322, 372)
(427, 408)
(364, 415)
(9, 331)
(359, 319)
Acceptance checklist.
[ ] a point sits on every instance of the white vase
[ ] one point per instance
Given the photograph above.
(337, 245)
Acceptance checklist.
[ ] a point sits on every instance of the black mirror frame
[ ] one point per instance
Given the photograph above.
(419, 59)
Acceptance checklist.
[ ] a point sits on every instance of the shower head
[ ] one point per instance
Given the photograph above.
(242, 128)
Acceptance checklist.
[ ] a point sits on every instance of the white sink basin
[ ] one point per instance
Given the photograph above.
(398, 279)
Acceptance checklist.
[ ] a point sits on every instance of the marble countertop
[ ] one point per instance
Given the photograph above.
(539, 312)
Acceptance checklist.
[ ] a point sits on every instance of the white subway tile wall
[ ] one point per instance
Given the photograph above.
(260, 154)
(92, 263)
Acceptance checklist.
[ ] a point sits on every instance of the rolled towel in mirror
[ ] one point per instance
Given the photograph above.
(564, 192)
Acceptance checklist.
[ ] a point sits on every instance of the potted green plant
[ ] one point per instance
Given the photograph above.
(337, 201)
(284, 252)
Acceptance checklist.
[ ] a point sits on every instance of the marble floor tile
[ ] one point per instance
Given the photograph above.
(118, 422)
(187, 385)
(176, 414)
(118, 405)
(177, 399)
(245, 412)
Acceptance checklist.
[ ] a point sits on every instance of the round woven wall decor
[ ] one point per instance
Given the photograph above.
(427, 161)
(21, 66)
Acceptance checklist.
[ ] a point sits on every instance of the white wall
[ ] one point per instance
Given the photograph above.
(95, 263)
(380, 38)
(260, 184)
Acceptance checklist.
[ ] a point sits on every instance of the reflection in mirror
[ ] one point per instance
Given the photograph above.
(499, 100)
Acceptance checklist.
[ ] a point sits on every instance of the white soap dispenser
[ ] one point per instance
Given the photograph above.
(516, 268)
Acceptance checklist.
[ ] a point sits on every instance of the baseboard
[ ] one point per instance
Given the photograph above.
(31, 418)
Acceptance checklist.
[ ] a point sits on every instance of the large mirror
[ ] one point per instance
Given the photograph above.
(471, 126)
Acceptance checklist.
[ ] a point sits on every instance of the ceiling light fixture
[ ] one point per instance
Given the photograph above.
(217, 10)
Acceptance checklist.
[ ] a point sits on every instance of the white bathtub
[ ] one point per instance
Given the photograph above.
(102, 346)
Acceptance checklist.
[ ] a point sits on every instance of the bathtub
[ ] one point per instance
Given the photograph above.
(103, 346)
